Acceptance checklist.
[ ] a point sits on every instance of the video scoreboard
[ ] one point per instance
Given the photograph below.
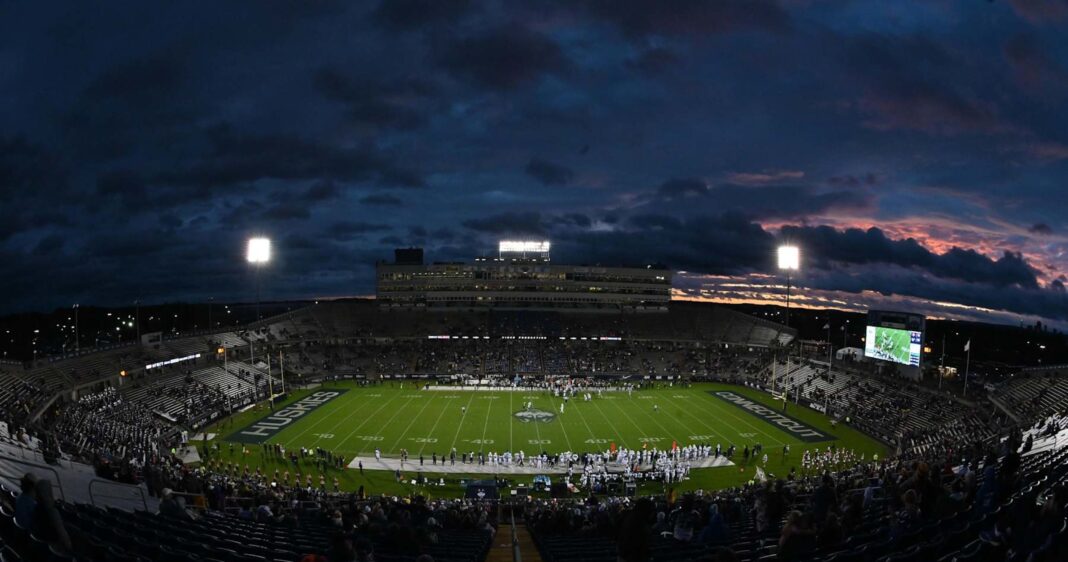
(896, 337)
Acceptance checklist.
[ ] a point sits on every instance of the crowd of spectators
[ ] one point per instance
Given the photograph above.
(893, 502)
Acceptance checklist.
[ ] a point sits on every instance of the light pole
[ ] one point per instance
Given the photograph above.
(789, 261)
(137, 318)
(77, 339)
(258, 253)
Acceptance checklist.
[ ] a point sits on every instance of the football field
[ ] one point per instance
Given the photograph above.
(351, 420)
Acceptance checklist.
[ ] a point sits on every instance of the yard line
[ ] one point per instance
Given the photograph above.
(390, 420)
(463, 417)
(355, 411)
(562, 428)
(657, 422)
(435, 426)
(324, 419)
(368, 418)
(415, 417)
(619, 436)
(512, 410)
(709, 425)
(721, 407)
(584, 422)
(628, 418)
(489, 408)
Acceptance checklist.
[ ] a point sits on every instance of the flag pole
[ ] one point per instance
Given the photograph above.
(830, 349)
(830, 360)
(967, 364)
(942, 369)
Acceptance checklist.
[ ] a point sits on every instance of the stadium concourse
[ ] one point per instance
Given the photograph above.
(977, 479)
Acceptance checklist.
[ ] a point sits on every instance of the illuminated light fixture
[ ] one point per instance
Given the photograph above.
(789, 258)
(523, 246)
(259, 250)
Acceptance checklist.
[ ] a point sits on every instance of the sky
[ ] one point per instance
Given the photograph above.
(916, 150)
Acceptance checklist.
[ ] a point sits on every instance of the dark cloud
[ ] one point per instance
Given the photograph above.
(518, 223)
(321, 191)
(236, 159)
(849, 180)
(549, 173)
(402, 103)
(638, 18)
(574, 220)
(761, 201)
(51, 244)
(653, 61)
(929, 109)
(28, 169)
(160, 147)
(417, 14)
(676, 188)
(346, 230)
(381, 199)
(502, 58)
(125, 185)
(1041, 228)
(1041, 11)
(169, 221)
(825, 246)
(1034, 66)
(129, 105)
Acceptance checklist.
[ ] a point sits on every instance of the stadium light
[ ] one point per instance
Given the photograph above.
(259, 250)
(789, 258)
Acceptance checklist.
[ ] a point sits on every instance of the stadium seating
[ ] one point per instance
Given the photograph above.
(957, 458)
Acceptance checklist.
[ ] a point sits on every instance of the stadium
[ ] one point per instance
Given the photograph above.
(534, 281)
(481, 420)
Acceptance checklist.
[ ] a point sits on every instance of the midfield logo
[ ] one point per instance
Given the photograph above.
(535, 415)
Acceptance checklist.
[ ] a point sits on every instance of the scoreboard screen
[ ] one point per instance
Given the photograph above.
(893, 344)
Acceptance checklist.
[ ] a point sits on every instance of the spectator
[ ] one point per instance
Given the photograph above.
(634, 536)
(170, 507)
(47, 524)
(25, 503)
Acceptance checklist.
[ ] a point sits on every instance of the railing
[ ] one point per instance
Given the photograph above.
(517, 556)
(194, 501)
(36, 469)
(101, 482)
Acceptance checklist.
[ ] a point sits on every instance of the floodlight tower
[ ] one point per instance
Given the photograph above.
(257, 254)
(789, 261)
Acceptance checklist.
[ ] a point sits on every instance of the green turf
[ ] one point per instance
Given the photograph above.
(392, 417)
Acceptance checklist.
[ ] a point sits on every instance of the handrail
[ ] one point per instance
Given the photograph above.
(140, 491)
(201, 505)
(517, 556)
